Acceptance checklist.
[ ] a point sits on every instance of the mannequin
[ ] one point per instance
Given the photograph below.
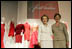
(2, 32)
(27, 31)
(19, 31)
(11, 30)
(34, 36)
(26, 35)
(10, 35)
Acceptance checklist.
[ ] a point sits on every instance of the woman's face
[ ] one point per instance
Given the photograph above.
(44, 20)
(57, 18)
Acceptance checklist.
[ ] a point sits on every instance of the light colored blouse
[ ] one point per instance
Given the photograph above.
(44, 33)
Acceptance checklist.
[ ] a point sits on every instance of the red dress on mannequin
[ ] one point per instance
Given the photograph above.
(27, 31)
(34, 37)
(11, 31)
(34, 40)
(2, 35)
(18, 30)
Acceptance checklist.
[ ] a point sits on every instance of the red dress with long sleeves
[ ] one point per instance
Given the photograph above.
(18, 35)
(2, 35)
(27, 31)
(12, 29)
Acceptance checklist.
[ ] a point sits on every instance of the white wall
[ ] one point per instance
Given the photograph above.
(65, 11)
(22, 11)
(9, 10)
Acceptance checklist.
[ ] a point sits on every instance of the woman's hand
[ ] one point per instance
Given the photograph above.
(67, 44)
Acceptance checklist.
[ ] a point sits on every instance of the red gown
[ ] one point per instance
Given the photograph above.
(34, 37)
(34, 40)
(12, 29)
(18, 37)
(27, 31)
(2, 35)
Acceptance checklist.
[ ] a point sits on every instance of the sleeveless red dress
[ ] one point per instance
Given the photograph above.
(34, 37)
(2, 35)
(12, 29)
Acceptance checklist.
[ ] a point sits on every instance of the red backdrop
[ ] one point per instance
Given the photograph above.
(40, 8)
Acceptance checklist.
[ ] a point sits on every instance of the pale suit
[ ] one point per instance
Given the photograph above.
(44, 36)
